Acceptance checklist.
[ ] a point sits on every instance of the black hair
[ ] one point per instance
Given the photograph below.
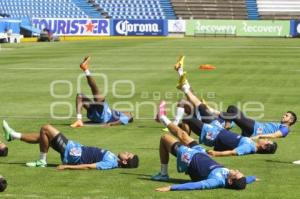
(4, 151)
(270, 149)
(294, 117)
(3, 184)
(132, 163)
(237, 184)
(130, 120)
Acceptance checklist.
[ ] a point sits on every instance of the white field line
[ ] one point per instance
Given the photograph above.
(102, 69)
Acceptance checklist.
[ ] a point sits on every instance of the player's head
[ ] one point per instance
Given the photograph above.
(3, 149)
(289, 117)
(265, 146)
(128, 160)
(236, 180)
(130, 116)
(3, 183)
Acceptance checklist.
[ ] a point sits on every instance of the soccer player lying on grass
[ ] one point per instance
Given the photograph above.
(252, 128)
(194, 161)
(98, 110)
(225, 142)
(3, 149)
(73, 155)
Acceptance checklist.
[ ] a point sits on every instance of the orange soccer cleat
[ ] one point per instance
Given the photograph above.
(85, 63)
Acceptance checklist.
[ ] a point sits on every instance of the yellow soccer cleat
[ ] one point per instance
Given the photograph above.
(182, 80)
(179, 63)
(77, 124)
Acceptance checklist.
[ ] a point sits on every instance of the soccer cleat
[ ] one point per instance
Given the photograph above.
(297, 162)
(159, 177)
(85, 63)
(165, 130)
(38, 163)
(179, 63)
(161, 110)
(182, 80)
(77, 124)
(7, 131)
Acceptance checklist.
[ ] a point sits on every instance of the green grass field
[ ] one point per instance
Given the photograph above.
(261, 70)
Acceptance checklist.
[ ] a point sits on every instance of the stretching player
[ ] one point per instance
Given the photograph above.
(73, 155)
(195, 107)
(194, 161)
(98, 110)
(225, 142)
(3, 149)
(252, 128)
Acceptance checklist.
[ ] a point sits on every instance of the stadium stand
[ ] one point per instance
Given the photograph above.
(252, 9)
(279, 9)
(210, 9)
(49, 9)
(135, 9)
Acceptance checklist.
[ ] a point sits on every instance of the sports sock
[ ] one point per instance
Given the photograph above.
(164, 169)
(180, 71)
(186, 88)
(87, 72)
(43, 156)
(165, 120)
(15, 135)
(79, 116)
(179, 115)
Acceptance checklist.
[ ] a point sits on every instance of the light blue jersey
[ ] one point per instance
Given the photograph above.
(245, 146)
(76, 153)
(216, 179)
(263, 128)
(208, 134)
(185, 155)
(106, 115)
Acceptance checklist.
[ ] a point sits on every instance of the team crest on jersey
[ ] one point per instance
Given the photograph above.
(209, 136)
(259, 130)
(75, 151)
(186, 157)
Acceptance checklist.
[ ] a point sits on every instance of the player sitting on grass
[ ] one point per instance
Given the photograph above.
(257, 129)
(3, 149)
(98, 110)
(194, 161)
(73, 155)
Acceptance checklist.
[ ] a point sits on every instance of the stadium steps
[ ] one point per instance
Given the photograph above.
(87, 8)
(252, 10)
(168, 9)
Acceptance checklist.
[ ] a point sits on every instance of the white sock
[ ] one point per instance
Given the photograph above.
(180, 71)
(87, 72)
(15, 135)
(165, 120)
(79, 116)
(179, 115)
(186, 88)
(43, 156)
(164, 169)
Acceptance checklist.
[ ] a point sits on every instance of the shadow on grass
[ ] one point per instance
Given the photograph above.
(278, 161)
(147, 178)
(24, 164)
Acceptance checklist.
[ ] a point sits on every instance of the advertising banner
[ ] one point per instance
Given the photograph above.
(176, 26)
(261, 28)
(295, 28)
(139, 28)
(73, 27)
